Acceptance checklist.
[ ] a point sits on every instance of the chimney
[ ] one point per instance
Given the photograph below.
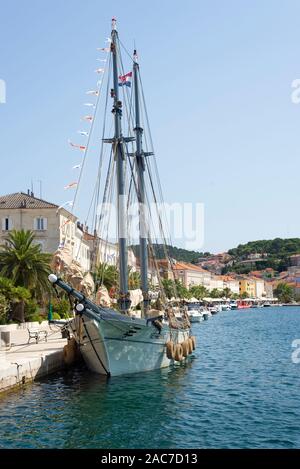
(28, 191)
(31, 194)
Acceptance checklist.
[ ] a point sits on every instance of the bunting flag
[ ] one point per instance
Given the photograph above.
(108, 39)
(93, 92)
(125, 80)
(104, 49)
(69, 203)
(77, 166)
(88, 118)
(65, 223)
(75, 145)
(81, 132)
(99, 70)
(89, 104)
(101, 60)
(71, 185)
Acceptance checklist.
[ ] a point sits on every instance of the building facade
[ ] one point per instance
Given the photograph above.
(52, 226)
(247, 285)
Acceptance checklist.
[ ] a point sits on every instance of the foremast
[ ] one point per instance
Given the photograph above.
(118, 149)
(140, 165)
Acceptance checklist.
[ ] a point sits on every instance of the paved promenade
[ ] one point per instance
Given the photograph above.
(21, 362)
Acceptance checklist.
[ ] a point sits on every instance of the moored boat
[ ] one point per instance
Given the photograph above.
(114, 341)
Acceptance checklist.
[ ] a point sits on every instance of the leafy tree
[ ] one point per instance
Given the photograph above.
(31, 310)
(227, 292)
(284, 292)
(199, 291)
(215, 293)
(62, 307)
(17, 298)
(4, 308)
(244, 295)
(24, 263)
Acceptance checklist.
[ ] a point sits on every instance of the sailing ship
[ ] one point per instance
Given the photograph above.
(113, 341)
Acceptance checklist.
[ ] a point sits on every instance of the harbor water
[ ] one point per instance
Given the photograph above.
(240, 390)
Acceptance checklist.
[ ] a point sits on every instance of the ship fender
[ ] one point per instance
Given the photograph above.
(170, 350)
(193, 338)
(190, 345)
(178, 353)
(185, 348)
(70, 352)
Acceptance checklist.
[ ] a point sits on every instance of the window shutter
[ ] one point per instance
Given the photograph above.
(35, 223)
(10, 224)
(3, 224)
(45, 223)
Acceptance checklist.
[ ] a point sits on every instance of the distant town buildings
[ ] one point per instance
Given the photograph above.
(55, 227)
(190, 275)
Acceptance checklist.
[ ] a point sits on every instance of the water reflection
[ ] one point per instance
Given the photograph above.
(240, 390)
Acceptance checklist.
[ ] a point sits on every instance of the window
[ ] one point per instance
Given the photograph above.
(40, 224)
(6, 224)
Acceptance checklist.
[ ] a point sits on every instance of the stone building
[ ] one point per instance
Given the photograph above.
(52, 225)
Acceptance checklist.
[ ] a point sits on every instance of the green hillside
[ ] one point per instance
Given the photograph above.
(179, 254)
(275, 254)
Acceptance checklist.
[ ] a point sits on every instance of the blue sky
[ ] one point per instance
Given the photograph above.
(217, 77)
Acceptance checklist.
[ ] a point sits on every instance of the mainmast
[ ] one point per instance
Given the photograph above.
(140, 164)
(119, 156)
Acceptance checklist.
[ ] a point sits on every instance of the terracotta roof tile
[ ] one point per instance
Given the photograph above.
(188, 266)
(21, 200)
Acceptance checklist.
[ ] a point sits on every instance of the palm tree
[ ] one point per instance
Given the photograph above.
(24, 263)
(284, 292)
(134, 279)
(169, 287)
(106, 275)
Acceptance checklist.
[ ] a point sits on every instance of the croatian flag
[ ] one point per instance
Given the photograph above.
(125, 80)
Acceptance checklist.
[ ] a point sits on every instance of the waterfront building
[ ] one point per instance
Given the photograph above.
(53, 226)
(269, 287)
(188, 274)
(247, 285)
(216, 282)
(259, 288)
(48, 222)
(231, 283)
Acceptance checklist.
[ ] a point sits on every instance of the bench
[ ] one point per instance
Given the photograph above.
(37, 334)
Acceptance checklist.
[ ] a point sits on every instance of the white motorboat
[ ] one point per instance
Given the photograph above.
(195, 315)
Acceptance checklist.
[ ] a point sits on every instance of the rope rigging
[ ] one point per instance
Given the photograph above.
(100, 223)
